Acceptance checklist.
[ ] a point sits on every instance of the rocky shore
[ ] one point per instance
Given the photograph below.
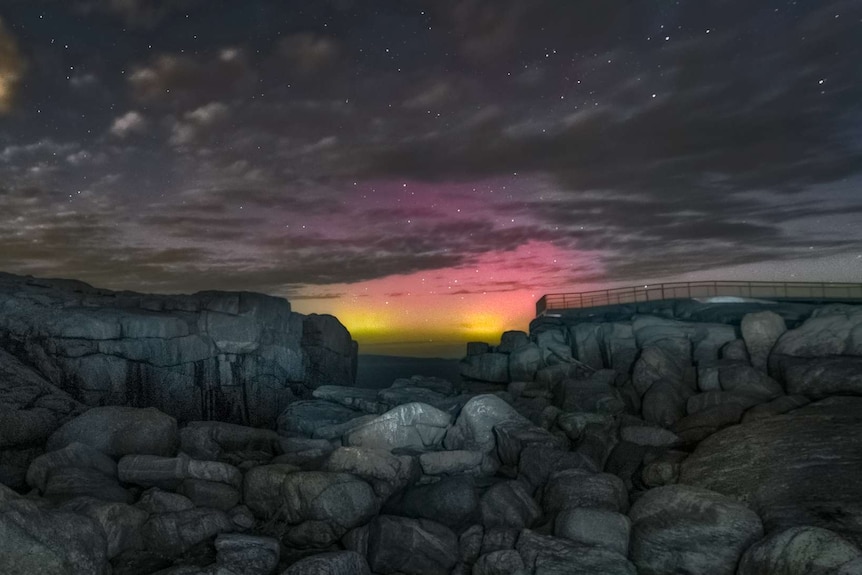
(643, 444)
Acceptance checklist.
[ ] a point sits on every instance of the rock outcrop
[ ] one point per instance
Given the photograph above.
(237, 357)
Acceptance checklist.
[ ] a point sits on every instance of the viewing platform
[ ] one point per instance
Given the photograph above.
(803, 292)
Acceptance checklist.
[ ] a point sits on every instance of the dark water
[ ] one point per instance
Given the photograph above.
(379, 371)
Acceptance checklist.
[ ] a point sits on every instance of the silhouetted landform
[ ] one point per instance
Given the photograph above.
(239, 357)
(377, 371)
(644, 445)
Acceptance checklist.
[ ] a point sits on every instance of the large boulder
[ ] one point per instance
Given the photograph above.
(247, 554)
(509, 504)
(556, 556)
(578, 488)
(452, 501)
(118, 431)
(491, 367)
(49, 542)
(413, 425)
(330, 563)
(802, 551)
(308, 417)
(229, 442)
(821, 377)
(175, 533)
(595, 527)
(330, 352)
(474, 428)
(120, 523)
(417, 546)
(796, 469)
(73, 455)
(683, 529)
(760, 331)
(831, 330)
(318, 507)
(386, 472)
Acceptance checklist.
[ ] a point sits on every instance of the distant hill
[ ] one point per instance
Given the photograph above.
(379, 371)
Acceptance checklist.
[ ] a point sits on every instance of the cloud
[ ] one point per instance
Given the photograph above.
(184, 80)
(127, 124)
(197, 122)
(12, 67)
(309, 53)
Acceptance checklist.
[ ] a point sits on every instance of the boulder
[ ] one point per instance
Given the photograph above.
(512, 340)
(796, 469)
(664, 403)
(801, 551)
(308, 416)
(119, 431)
(470, 543)
(330, 352)
(578, 488)
(357, 398)
(155, 500)
(657, 364)
(456, 462)
(453, 501)
(760, 331)
(48, 542)
(247, 554)
(595, 528)
(491, 367)
(228, 442)
(554, 346)
(330, 563)
(503, 562)
(73, 455)
(120, 523)
(499, 538)
(538, 464)
(556, 556)
(177, 532)
(70, 482)
(649, 436)
(524, 362)
(387, 473)
(509, 504)
(821, 377)
(597, 394)
(474, 428)
(315, 504)
(735, 350)
(211, 494)
(513, 436)
(413, 425)
(586, 343)
(831, 330)
(402, 545)
(683, 529)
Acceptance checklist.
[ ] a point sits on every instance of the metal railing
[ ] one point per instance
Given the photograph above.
(688, 290)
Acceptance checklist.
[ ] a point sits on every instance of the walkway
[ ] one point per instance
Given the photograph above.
(796, 291)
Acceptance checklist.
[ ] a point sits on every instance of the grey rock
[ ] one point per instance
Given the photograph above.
(321, 505)
(577, 488)
(664, 403)
(595, 528)
(177, 532)
(509, 504)
(413, 425)
(662, 469)
(120, 523)
(512, 340)
(831, 330)
(155, 500)
(555, 348)
(453, 502)
(538, 464)
(330, 563)
(656, 364)
(822, 377)
(556, 556)
(306, 417)
(492, 367)
(795, 469)
(683, 529)
(801, 551)
(499, 538)
(474, 427)
(211, 494)
(513, 436)
(402, 545)
(586, 344)
(70, 482)
(470, 543)
(73, 455)
(228, 442)
(393, 397)
(119, 431)
(477, 348)
(247, 554)
(153, 471)
(50, 542)
(358, 398)
(504, 562)
(456, 462)
(649, 436)
(524, 362)
(735, 350)
(597, 394)
(709, 399)
(760, 331)
(357, 539)
(777, 406)
(386, 472)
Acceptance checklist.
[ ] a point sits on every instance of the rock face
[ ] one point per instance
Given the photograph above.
(801, 468)
(233, 356)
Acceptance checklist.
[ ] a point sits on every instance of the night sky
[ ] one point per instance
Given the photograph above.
(426, 170)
